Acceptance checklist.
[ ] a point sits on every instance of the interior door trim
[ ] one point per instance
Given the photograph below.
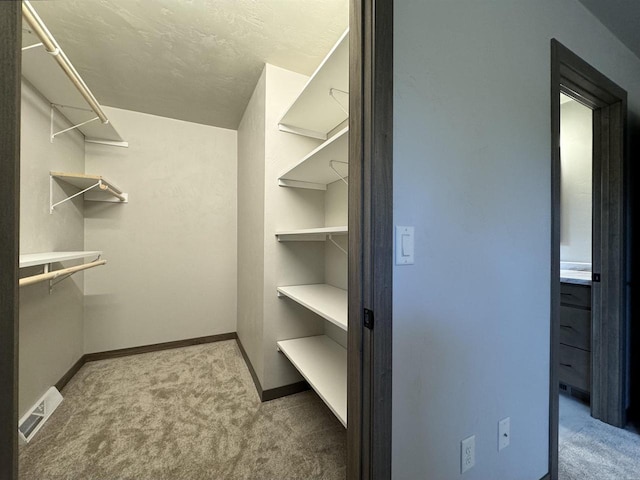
(573, 76)
(370, 239)
(11, 55)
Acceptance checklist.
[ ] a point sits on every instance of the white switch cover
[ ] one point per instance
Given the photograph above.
(467, 453)
(504, 433)
(404, 245)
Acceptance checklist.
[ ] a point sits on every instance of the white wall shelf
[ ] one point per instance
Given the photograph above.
(324, 165)
(47, 259)
(36, 259)
(323, 363)
(324, 102)
(94, 188)
(310, 234)
(53, 75)
(325, 300)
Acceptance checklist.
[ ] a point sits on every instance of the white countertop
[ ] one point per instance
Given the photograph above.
(579, 277)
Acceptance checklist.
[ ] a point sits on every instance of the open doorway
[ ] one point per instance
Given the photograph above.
(589, 296)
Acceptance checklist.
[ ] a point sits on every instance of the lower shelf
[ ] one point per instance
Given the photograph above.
(323, 363)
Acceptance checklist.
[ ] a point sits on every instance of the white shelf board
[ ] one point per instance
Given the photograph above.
(325, 300)
(314, 169)
(323, 363)
(44, 73)
(310, 234)
(314, 113)
(83, 180)
(33, 259)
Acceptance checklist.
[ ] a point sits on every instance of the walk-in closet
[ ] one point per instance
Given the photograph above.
(183, 239)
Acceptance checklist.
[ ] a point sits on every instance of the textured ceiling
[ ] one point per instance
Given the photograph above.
(621, 17)
(194, 60)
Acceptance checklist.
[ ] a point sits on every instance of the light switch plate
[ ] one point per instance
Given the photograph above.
(504, 433)
(404, 245)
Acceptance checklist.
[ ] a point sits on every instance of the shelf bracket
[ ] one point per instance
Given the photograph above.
(336, 245)
(331, 162)
(55, 134)
(52, 205)
(332, 95)
(56, 280)
(35, 45)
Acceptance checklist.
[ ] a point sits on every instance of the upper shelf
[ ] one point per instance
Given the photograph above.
(324, 102)
(310, 234)
(324, 165)
(54, 76)
(34, 259)
(94, 187)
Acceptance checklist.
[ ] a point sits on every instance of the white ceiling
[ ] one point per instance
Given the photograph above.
(194, 60)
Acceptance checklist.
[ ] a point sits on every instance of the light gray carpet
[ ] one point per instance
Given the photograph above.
(190, 413)
(592, 450)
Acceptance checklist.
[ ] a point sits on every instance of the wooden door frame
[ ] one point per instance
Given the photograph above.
(370, 239)
(11, 56)
(572, 75)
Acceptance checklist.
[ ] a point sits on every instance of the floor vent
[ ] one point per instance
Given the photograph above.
(33, 420)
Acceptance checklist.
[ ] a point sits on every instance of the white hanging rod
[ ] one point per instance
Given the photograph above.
(52, 47)
(332, 95)
(43, 277)
(331, 162)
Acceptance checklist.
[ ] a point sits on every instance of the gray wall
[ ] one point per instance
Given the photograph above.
(251, 227)
(172, 249)
(51, 326)
(472, 173)
(576, 149)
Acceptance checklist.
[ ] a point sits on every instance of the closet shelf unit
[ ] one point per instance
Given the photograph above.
(47, 259)
(320, 111)
(322, 166)
(311, 234)
(323, 364)
(95, 188)
(49, 70)
(325, 300)
(323, 104)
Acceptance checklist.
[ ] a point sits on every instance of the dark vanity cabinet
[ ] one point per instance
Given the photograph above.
(575, 336)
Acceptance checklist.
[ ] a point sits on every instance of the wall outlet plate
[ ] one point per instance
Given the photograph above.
(467, 453)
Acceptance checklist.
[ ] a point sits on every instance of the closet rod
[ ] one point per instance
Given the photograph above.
(52, 47)
(113, 192)
(43, 277)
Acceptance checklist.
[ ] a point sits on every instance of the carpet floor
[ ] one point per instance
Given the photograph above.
(592, 450)
(190, 413)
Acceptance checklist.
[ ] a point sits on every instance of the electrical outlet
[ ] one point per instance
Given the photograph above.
(467, 453)
(504, 433)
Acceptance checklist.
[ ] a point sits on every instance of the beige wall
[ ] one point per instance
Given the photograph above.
(172, 249)
(51, 326)
(251, 227)
(576, 207)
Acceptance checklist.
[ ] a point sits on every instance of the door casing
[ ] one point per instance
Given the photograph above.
(610, 298)
(370, 239)
(11, 56)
